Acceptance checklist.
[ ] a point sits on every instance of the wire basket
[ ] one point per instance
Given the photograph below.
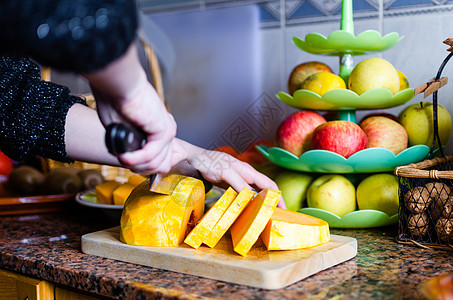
(426, 194)
(109, 172)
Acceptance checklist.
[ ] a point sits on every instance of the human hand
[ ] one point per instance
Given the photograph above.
(123, 94)
(225, 170)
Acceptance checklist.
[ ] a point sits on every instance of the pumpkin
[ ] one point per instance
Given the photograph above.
(289, 230)
(159, 220)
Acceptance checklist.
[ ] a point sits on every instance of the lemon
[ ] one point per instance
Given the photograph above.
(404, 82)
(374, 73)
(322, 82)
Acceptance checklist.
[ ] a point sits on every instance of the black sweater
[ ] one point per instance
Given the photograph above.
(72, 35)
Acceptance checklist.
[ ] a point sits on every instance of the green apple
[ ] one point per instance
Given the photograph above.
(379, 192)
(417, 119)
(374, 73)
(334, 193)
(294, 186)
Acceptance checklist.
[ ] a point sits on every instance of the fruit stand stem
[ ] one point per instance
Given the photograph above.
(347, 22)
(346, 60)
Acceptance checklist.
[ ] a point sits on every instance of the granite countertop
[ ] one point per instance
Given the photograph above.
(47, 246)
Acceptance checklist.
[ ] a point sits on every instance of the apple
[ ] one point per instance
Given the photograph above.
(374, 73)
(294, 132)
(302, 71)
(417, 119)
(382, 114)
(385, 133)
(294, 186)
(379, 192)
(333, 193)
(342, 137)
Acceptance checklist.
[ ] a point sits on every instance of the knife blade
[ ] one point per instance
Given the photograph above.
(120, 138)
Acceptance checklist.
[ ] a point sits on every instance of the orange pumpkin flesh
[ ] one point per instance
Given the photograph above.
(156, 220)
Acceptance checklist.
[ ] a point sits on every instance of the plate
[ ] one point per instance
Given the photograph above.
(342, 41)
(34, 204)
(344, 99)
(88, 198)
(365, 218)
(364, 161)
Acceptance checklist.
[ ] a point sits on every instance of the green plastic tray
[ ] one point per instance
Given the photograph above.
(366, 218)
(344, 99)
(342, 41)
(369, 160)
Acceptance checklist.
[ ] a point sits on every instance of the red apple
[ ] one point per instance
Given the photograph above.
(386, 133)
(382, 114)
(302, 71)
(342, 137)
(294, 133)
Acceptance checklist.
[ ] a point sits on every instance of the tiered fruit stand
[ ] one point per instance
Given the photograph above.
(344, 44)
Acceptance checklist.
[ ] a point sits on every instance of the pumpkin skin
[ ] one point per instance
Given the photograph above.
(157, 220)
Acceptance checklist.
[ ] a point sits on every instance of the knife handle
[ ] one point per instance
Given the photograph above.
(120, 138)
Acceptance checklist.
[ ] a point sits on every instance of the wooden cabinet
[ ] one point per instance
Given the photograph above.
(16, 286)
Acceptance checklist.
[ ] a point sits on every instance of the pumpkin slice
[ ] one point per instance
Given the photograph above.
(151, 219)
(136, 179)
(248, 227)
(121, 193)
(203, 228)
(228, 218)
(104, 191)
(289, 230)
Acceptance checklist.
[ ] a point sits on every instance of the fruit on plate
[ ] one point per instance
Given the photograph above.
(322, 82)
(26, 180)
(379, 192)
(381, 114)
(6, 164)
(404, 82)
(196, 237)
(289, 230)
(229, 217)
(294, 186)
(121, 193)
(62, 183)
(302, 71)
(104, 191)
(246, 230)
(374, 73)
(385, 133)
(333, 193)
(418, 121)
(158, 220)
(342, 137)
(294, 133)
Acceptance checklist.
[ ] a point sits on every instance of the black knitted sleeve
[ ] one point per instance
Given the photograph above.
(32, 112)
(75, 35)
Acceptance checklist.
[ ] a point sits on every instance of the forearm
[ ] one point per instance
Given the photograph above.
(85, 136)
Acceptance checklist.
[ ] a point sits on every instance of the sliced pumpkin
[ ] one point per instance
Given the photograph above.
(228, 218)
(104, 191)
(203, 228)
(289, 230)
(246, 230)
(151, 219)
(136, 179)
(121, 193)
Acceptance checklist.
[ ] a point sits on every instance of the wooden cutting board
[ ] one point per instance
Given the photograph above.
(260, 268)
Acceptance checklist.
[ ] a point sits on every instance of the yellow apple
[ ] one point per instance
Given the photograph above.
(333, 193)
(302, 71)
(374, 73)
(294, 186)
(379, 192)
(417, 119)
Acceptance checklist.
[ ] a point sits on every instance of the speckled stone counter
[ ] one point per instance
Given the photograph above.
(47, 246)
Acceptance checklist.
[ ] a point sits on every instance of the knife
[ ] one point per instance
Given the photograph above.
(120, 138)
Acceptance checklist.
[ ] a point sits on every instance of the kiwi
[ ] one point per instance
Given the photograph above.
(62, 183)
(26, 180)
(72, 170)
(90, 178)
